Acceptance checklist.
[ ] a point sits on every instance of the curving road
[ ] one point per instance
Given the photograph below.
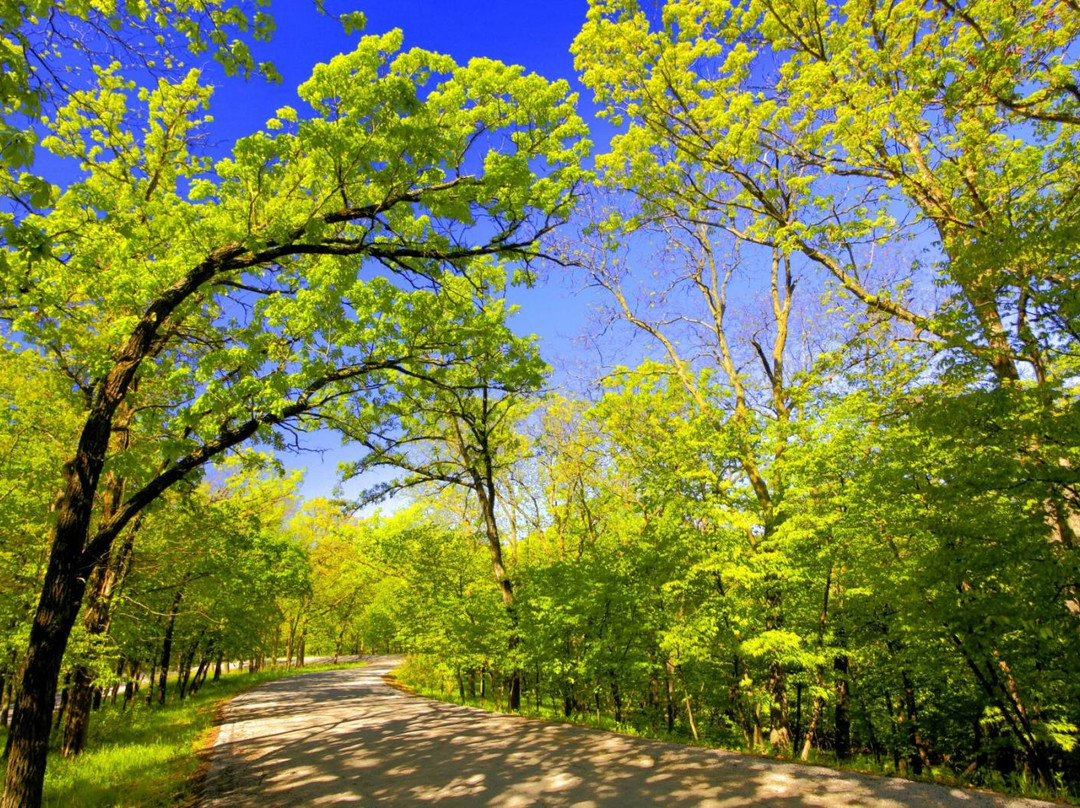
(347, 738)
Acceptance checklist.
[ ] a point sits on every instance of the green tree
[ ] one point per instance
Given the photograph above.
(944, 132)
(261, 291)
(442, 580)
(39, 423)
(455, 428)
(860, 136)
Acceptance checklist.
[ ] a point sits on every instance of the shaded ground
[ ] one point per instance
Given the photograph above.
(347, 738)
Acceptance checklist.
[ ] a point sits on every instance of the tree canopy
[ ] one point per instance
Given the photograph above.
(830, 511)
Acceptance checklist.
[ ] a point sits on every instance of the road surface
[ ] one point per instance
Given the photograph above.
(347, 738)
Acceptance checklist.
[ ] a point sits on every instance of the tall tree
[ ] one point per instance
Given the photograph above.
(940, 134)
(262, 291)
(690, 322)
(836, 131)
(455, 428)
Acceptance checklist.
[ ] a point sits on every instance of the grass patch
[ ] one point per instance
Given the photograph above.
(148, 755)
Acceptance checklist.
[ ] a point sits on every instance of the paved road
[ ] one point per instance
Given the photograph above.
(347, 738)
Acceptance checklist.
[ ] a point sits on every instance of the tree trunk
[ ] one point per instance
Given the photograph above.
(78, 712)
(669, 677)
(779, 734)
(187, 680)
(200, 675)
(538, 690)
(8, 705)
(616, 696)
(811, 731)
(918, 756)
(513, 685)
(183, 674)
(106, 576)
(61, 594)
(690, 717)
(166, 645)
(796, 736)
(291, 644)
(842, 742)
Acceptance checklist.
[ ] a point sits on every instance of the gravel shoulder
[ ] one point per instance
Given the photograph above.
(348, 738)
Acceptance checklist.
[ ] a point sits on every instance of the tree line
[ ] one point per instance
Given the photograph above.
(830, 504)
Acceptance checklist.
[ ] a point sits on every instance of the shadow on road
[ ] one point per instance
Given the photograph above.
(346, 737)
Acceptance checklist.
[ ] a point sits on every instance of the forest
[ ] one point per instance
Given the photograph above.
(820, 500)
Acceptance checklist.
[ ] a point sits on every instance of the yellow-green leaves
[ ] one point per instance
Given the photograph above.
(835, 130)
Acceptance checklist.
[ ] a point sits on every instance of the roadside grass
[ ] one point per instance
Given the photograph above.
(417, 680)
(148, 755)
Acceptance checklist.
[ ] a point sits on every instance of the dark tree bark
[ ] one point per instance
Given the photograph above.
(842, 740)
(166, 645)
(918, 754)
(78, 712)
(616, 697)
(200, 676)
(183, 673)
(485, 489)
(107, 575)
